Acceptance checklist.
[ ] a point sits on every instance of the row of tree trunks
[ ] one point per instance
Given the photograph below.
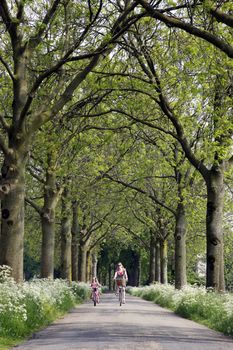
(158, 260)
(76, 262)
(158, 252)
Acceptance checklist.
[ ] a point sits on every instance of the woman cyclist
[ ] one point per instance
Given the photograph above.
(121, 278)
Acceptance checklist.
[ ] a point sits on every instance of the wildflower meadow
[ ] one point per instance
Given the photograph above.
(29, 306)
(197, 303)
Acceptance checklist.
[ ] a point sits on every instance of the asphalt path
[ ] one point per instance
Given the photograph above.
(138, 324)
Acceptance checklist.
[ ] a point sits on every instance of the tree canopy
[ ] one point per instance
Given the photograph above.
(117, 134)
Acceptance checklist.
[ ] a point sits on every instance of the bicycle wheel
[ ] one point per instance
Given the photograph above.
(94, 299)
(120, 296)
(123, 295)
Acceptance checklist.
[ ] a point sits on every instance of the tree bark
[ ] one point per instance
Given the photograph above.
(163, 257)
(214, 215)
(75, 231)
(88, 267)
(51, 197)
(66, 240)
(83, 263)
(12, 192)
(157, 261)
(94, 265)
(180, 247)
(152, 258)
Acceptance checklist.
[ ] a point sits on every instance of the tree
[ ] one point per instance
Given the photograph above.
(46, 56)
(172, 104)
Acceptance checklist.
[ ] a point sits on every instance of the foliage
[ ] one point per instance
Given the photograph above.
(205, 306)
(34, 304)
(103, 130)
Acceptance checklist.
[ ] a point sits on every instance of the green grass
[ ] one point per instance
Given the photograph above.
(6, 343)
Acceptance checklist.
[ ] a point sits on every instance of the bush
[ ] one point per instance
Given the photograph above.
(196, 303)
(27, 307)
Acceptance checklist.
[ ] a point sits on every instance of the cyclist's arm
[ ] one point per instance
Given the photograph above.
(126, 276)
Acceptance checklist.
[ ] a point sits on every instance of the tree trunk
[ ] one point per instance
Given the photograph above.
(88, 267)
(222, 285)
(157, 261)
(139, 270)
(75, 241)
(110, 277)
(135, 271)
(51, 197)
(163, 258)
(94, 265)
(12, 192)
(79, 260)
(180, 247)
(47, 253)
(83, 264)
(215, 201)
(65, 240)
(152, 258)
(12, 182)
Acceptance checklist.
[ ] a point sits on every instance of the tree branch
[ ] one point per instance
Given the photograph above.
(34, 205)
(7, 20)
(136, 236)
(37, 37)
(4, 123)
(175, 22)
(37, 177)
(140, 190)
(98, 240)
(222, 17)
(7, 68)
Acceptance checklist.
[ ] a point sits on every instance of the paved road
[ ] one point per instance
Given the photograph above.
(138, 324)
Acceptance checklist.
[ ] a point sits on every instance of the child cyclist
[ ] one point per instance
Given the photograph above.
(121, 278)
(95, 285)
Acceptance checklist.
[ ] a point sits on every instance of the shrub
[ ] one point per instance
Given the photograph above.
(27, 307)
(196, 303)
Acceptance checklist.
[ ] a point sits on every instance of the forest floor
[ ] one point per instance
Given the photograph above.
(138, 324)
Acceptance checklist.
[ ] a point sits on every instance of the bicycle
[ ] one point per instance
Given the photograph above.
(121, 290)
(95, 296)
